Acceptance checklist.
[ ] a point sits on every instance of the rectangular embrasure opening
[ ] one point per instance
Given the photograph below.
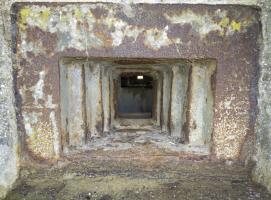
(167, 97)
(135, 96)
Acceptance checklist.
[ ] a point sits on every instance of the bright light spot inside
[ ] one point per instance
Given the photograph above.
(140, 77)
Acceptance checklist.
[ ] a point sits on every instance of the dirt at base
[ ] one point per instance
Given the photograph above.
(114, 179)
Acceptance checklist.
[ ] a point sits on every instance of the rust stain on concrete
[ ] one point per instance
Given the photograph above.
(49, 32)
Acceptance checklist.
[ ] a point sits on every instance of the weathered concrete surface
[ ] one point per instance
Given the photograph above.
(153, 178)
(48, 32)
(262, 171)
(7, 109)
(178, 99)
(75, 84)
(201, 116)
(128, 142)
(8, 133)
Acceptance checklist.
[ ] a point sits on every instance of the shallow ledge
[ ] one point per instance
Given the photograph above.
(154, 143)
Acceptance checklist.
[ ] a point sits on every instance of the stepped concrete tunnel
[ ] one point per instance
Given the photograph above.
(135, 99)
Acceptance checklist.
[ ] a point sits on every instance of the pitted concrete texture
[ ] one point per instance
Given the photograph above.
(154, 178)
(262, 171)
(8, 133)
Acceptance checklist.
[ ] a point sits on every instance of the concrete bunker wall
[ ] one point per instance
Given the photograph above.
(8, 130)
(228, 34)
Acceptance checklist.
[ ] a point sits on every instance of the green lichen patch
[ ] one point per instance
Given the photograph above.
(77, 25)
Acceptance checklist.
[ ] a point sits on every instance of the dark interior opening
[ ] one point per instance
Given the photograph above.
(135, 96)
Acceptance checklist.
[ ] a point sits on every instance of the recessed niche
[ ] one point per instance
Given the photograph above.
(136, 99)
(169, 97)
